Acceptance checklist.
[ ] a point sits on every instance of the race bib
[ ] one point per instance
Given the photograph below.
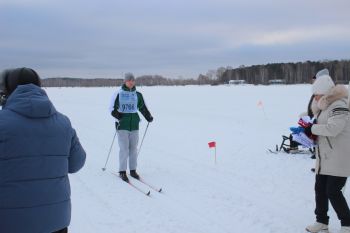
(127, 102)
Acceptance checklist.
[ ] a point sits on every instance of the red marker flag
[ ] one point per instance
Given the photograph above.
(212, 144)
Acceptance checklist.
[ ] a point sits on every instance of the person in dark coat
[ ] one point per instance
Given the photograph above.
(38, 148)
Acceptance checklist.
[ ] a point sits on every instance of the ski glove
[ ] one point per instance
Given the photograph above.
(149, 118)
(307, 131)
(116, 125)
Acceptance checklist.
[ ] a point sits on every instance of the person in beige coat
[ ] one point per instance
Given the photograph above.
(330, 107)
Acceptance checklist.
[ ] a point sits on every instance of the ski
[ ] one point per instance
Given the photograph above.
(148, 184)
(145, 192)
(291, 152)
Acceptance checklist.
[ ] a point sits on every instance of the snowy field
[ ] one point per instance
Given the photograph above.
(248, 190)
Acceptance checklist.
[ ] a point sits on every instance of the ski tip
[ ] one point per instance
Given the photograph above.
(149, 193)
(160, 190)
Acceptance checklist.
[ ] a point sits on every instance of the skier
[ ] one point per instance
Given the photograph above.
(330, 106)
(125, 104)
(38, 148)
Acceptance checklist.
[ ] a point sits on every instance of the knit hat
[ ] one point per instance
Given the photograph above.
(322, 85)
(129, 77)
(322, 72)
(20, 76)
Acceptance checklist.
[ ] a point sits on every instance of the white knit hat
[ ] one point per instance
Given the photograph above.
(322, 72)
(322, 85)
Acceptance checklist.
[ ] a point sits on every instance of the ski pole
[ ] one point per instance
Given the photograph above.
(109, 153)
(144, 134)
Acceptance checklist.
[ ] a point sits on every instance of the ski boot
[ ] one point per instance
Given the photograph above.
(123, 176)
(134, 174)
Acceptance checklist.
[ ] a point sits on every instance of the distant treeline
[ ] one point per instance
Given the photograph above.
(290, 73)
(80, 82)
(145, 80)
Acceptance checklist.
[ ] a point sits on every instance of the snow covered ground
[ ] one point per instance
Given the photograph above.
(247, 190)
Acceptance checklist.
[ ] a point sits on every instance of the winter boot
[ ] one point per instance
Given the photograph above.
(317, 227)
(344, 230)
(123, 176)
(134, 174)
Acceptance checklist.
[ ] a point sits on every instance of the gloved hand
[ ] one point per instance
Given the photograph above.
(297, 130)
(116, 125)
(119, 115)
(149, 118)
(307, 131)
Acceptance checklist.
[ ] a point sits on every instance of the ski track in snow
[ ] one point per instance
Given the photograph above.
(248, 190)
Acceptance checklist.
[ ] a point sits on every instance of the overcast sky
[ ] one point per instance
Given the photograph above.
(173, 38)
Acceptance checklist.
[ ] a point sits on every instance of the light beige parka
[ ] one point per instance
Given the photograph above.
(333, 130)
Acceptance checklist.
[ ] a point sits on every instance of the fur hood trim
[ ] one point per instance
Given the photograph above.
(336, 93)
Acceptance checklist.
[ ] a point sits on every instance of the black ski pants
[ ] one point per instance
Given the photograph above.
(329, 188)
